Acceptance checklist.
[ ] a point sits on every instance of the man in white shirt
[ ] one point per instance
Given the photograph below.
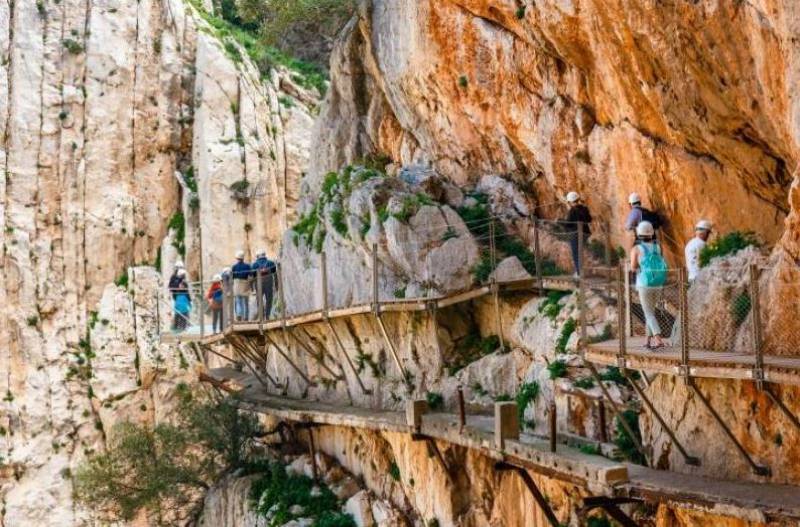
(702, 232)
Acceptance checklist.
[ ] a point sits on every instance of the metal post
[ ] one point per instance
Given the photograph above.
(323, 265)
(537, 253)
(622, 315)
(601, 418)
(281, 285)
(581, 243)
(683, 307)
(462, 414)
(202, 306)
(627, 303)
(540, 498)
(582, 312)
(553, 425)
(260, 300)
(375, 300)
(755, 314)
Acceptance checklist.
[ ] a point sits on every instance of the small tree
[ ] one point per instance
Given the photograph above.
(164, 469)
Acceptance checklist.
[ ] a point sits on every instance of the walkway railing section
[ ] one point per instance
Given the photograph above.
(546, 249)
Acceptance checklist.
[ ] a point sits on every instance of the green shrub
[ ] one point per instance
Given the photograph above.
(726, 245)
(598, 521)
(73, 46)
(520, 12)
(400, 292)
(334, 519)
(435, 400)
(557, 369)
(584, 382)
(394, 471)
(32, 321)
(463, 81)
(614, 374)
(177, 223)
(592, 450)
(527, 394)
(339, 223)
(502, 398)
(624, 442)
(122, 280)
(551, 307)
(566, 333)
(740, 308)
(471, 348)
(605, 335)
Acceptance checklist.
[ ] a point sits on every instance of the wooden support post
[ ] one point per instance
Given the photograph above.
(755, 315)
(683, 308)
(689, 460)
(611, 507)
(506, 423)
(756, 468)
(415, 409)
(313, 452)
(601, 420)
(537, 254)
(462, 414)
(540, 499)
(552, 421)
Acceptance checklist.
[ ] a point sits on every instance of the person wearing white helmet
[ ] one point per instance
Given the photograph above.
(182, 302)
(650, 267)
(638, 214)
(692, 251)
(214, 298)
(241, 272)
(578, 217)
(264, 270)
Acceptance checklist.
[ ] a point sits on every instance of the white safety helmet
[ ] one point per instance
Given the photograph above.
(703, 225)
(179, 264)
(227, 270)
(261, 253)
(240, 255)
(634, 198)
(645, 228)
(572, 197)
(217, 278)
(181, 273)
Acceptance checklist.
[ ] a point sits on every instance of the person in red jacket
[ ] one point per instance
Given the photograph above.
(214, 298)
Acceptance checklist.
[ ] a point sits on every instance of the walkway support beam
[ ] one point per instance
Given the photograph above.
(376, 310)
(541, 500)
(759, 470)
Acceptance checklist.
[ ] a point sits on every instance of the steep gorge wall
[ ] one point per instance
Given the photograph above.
(692, 104)
(103, 105)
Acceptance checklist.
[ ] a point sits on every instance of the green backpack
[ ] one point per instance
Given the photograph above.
(653, 267)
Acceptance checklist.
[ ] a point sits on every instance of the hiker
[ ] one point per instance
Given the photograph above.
(177, 286)
(577, 217)
(174, 279)
(214, 298)
(692, 252)
(639, 214)
(651, 275)
(241, 273)
(264, 270)
(182, 302)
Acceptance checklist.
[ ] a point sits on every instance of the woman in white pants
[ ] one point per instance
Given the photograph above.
(648, 295)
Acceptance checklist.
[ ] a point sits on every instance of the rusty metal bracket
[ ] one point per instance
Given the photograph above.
(689, 460)
(611, 507)
(534, 490)
(347, 358)
(318, 357)
(433, 449)
(282, 353)
(757, 469)
(781, 405)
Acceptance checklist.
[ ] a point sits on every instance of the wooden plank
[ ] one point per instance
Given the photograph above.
(463, 297)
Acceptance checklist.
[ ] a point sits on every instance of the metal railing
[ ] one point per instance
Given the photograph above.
(543, 248)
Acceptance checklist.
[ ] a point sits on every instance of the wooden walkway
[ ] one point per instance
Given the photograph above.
(745, 500)
(529, 285)
(702, 363)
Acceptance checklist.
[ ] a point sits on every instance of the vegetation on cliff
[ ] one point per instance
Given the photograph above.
(163, 469)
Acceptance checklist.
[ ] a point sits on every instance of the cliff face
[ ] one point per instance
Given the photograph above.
(108, 109)
(691, 104)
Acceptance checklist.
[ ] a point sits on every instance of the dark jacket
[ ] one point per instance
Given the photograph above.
(241, 270)
(263, 266)
(177, 285)
(578, 214)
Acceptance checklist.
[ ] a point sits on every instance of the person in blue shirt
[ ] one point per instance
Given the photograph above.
(241, 272)
(264, 270)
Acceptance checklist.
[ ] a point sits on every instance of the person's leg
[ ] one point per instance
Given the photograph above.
(216, 317)
(648, 297)
(239, 302)
(267, 297)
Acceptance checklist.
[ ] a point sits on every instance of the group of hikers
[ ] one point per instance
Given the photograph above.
(646, 261)
(241, 279)
(646, 256)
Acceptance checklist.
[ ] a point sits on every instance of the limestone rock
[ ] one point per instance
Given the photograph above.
(360, 507)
